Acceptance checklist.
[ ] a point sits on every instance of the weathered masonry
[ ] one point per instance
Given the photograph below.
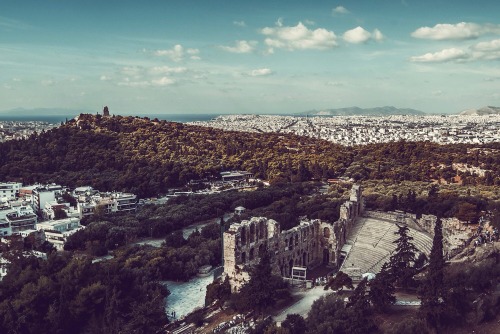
(310, 244)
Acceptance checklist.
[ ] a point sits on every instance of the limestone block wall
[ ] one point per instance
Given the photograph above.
(311, 243)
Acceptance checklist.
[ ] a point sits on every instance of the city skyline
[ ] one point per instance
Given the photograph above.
(258, 57)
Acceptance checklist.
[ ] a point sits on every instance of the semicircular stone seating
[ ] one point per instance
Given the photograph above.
(372, 242)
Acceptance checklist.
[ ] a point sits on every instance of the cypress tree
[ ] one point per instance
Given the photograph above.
(402, 262)
(382, 289)
(432, 291)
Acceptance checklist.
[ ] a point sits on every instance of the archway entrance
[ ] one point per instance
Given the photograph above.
(326, 256)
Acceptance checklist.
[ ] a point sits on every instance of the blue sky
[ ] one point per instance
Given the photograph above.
(439, 56)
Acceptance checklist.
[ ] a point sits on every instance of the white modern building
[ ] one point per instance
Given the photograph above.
(18, 218)
(107, 202)
(43, 194)
(9, 190)
(57, 232)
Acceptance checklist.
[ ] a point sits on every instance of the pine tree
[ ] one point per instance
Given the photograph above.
(402, 262)
(359, 299)
(338, 282)
(264, 288)
(382, 289)
(432, 291)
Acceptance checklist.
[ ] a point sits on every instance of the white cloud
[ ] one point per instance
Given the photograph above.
(334, 83)
(261, 72)
(462, 30)
(239, 23)
(486, 55)
(356, 35)
(377, 35)
(193, 54)
(163, 81)
(129, 83)
(279, 22)
(177, 53)
(340, 10)
(310, 22)
(10, 24)
(104, 78)
(441, 56)
(159, 70)
(360, 35)
(493, 45)
(298, 37)
(240, 47)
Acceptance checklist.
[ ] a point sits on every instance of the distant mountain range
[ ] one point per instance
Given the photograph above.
(489, 110)
(356, 111)
(43, 112)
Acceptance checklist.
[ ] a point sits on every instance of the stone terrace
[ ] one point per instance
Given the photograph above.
(372, 244)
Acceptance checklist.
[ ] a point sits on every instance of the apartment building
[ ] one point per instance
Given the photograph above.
(57, 232)
(9, 190)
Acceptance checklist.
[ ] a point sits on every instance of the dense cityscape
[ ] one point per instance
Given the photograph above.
(359, 130)
(22, 129)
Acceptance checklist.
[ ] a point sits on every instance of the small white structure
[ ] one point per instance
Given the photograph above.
(239, 210)
(108, 202)
(57, 232)
(3, 267)
(9, 190)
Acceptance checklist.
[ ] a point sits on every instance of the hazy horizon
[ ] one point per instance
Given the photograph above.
(264, 57)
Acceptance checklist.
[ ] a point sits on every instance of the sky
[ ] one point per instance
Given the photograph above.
(217, 57)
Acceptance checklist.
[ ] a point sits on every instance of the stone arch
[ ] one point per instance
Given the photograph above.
(304, 259)
(243, 236)
(326, 232)
(243, 257)
(251, 255)
(262, 249)
(252, 233)
(296, 239)
(262, 229)
(290, 243)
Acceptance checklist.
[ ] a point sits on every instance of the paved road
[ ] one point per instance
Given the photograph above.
(303, 305)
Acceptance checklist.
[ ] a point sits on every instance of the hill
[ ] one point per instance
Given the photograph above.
(489, 110)
(356, 111)
(148, 156)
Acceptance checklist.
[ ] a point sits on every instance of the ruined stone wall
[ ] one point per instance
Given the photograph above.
(310, 244)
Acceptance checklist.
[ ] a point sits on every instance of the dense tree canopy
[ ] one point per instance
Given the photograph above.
(146, 157)
(72, 295)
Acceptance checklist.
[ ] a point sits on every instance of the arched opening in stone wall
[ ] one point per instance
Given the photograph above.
(243, 236)
(304, 259)
(252, 233)
(243, 257)
(251, 255)
(290, 243)
(290, 266)
(326, 232)
(262, 228)
(296, 240)
(262, 250)
(326, 256)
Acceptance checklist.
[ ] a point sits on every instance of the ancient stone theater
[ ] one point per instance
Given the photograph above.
(307, 245)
